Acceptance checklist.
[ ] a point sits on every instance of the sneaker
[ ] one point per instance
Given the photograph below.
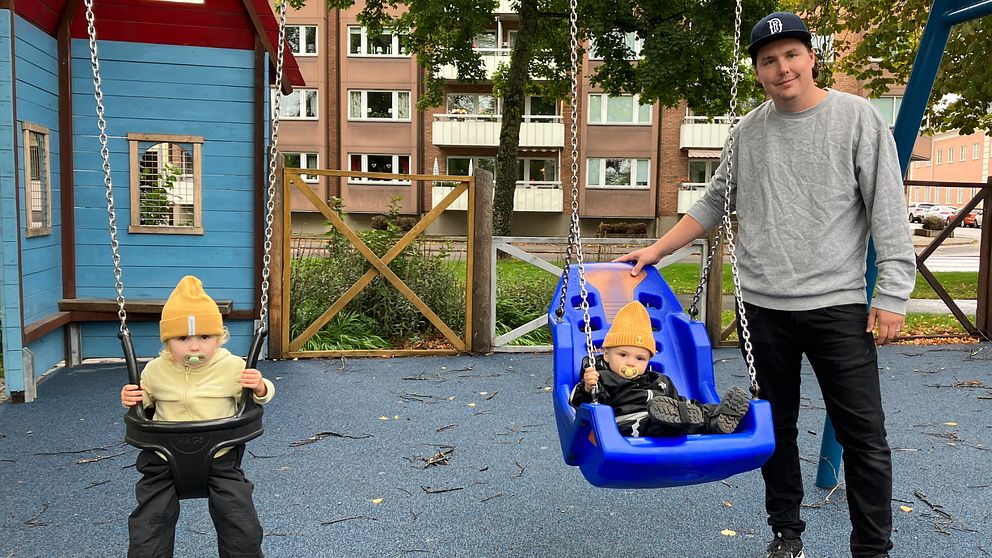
(782, 547)
(730, 411)
(677, 414)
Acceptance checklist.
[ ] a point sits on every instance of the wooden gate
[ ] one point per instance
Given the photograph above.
(283, 346)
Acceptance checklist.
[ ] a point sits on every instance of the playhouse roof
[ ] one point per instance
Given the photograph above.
(210, 23)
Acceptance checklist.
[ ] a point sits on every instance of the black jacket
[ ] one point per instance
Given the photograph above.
(627, 397)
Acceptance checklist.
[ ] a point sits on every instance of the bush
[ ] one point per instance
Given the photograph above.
(624, 229)
(934, 223)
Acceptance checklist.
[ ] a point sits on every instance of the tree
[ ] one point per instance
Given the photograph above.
(886, 51)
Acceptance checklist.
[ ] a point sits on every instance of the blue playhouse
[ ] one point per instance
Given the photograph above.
(187, 90)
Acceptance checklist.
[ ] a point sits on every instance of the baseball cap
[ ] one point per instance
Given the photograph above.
(776, 26)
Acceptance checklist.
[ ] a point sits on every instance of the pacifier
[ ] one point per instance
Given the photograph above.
(192, 359)
(629, 372)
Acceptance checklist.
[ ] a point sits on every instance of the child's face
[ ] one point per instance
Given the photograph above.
(193, 350)
(628, 362)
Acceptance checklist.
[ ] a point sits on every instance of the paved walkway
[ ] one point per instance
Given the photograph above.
(459, 457)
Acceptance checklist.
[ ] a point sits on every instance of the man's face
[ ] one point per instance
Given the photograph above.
(785, 70)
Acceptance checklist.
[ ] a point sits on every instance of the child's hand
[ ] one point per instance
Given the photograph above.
(590, 379)
(252, 379)
(131, 395)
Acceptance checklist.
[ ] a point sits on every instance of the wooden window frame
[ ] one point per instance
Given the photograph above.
(133, 139)
(45, 227)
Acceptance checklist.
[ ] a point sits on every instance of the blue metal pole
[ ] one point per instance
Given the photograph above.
(943, 14)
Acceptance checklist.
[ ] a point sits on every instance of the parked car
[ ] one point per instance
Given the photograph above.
(969, 220)
(945, 212)
(917, 210)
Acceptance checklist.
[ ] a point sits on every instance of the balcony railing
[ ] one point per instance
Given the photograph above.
(698, 132)
(689, 192)
(530, 196)
(483, 130)
(491, 58)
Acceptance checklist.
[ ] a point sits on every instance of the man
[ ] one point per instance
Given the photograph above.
(814, 173)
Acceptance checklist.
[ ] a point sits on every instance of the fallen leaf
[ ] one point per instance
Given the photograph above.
(727, 504)
(471, 404)
(396, 417)
(383, 418)
(906, 509)
(728, 533)
(950, 424)
(377, 501)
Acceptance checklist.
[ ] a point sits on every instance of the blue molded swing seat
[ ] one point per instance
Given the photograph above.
(589, 435)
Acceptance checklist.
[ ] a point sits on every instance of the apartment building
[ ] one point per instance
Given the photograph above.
(636, 163)
(952, 157)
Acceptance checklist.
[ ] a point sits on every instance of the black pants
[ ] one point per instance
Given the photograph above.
(152, 525)
(845, 362)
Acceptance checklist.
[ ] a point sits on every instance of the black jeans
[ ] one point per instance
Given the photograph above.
(152, 524)
(845, 362)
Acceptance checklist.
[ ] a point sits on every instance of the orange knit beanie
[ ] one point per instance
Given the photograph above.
(190, 311)
(631, 328)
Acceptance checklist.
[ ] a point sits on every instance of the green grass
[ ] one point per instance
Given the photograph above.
(683, 278)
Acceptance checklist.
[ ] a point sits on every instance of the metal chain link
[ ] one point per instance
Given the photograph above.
(727, 225)
(105, 156)
(270, 192)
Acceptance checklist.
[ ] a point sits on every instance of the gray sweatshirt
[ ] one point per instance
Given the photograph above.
(812, 187)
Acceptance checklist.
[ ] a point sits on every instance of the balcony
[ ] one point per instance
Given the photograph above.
(479, 130)
(689, 192)
(531, 196)
(491, 58)
(698, 132)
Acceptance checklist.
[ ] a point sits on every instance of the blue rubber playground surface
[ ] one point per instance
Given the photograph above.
(459, 456)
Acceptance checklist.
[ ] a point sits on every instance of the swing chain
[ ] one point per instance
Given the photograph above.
(270, 193)
(105, 155)
(727, 225)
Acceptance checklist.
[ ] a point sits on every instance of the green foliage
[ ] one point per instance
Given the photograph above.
(346, 331)
(381, 311)
(155, 198)
(934, 223)
(885, 56)
(687, 51)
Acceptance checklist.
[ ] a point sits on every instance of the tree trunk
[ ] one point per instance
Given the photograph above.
(513, 108)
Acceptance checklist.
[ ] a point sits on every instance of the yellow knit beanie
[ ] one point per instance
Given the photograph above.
(631, 328)
(190, 311)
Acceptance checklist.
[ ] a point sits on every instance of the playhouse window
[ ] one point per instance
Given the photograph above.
(302, 161)
(379, 105)
(301, 104)
(166, 173)
(393, 164)
(302, 39)
(37, 180)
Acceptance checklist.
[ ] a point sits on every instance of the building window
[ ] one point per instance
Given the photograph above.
(390, 164)
(540, 109)
(824, 47)
(950, 154)
(701, 170)
(940, 156)
(37, 180)
(302, 39)
(630, 40)
(166, 173)
(301, 104)
(962, 154)
(387, 44)
(464, 166)
(535, 172)
(302, 161)
(378, 105)
(625, 109)
(974, 151)
(471, 104)
(617, 173)
(889, 107)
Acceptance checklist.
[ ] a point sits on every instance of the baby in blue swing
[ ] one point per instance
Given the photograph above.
(645, 402)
